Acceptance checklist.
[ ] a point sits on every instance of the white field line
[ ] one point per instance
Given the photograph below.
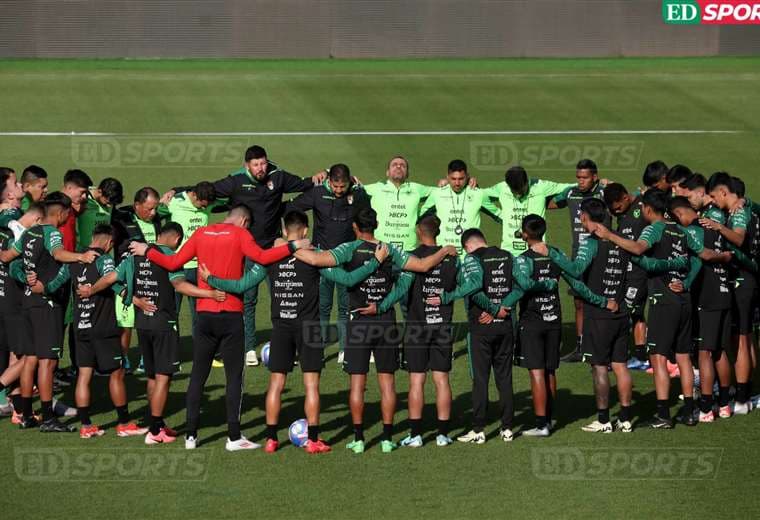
(369, 133)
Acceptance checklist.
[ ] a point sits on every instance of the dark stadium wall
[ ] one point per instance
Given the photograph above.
(356, 29)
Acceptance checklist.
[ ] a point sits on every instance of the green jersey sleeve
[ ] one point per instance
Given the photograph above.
(399, 290)
(343, 253)
(695, 265)
(469, 280)
(61, 278)
(657, 265)
(430, 203)
(399, 257)
(739, 219)
(489, 208)
(53, 239)
(695, 238)
(16, 270)
(250, 279)
(350, 278)
(586, 253)
(652, 233)
(584, 292)
(522, 272)
(560, 199)
(481, 300)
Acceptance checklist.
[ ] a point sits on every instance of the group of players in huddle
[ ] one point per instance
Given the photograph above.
(672, 266)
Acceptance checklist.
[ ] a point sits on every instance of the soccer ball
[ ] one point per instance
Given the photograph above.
(299, 433)
(265, 354)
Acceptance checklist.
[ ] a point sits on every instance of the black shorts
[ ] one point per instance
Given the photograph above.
(712, 329)
(636, 300)
(160, 351)
(669, 330)
(428, 347)
(538, 346)
(606, 341)
(103, 353)
(289, 340)
(366, 336)
(743, 307)
(13, 334)
(45, 330)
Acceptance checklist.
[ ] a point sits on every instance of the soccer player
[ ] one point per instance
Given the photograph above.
(741, 230)
(97, 335)
(676, 175)
(655, 176)
(259, 185)
(42, 252)
(540, 323)
(428, 336)
(34, 183)
(458, 205)
(630, 224)
(139, 222)
(588, 186)
(333, 204)
(295, 313)
(518, 197)
(12, 195)
(712, 302)
(372, 325)
(97, 209)
(669, 318)
(486, 278)
(219, 327)
(190, 209)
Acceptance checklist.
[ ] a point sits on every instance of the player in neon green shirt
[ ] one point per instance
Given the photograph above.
(518, 197)
(97, 210)
(458, 206)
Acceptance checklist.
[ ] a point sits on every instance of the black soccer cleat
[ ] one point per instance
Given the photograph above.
(55, 426)
(687, 419)
(660, 423)
(28, 422)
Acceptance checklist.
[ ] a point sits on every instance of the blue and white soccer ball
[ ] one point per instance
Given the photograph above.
(299, 433)
(265, 354)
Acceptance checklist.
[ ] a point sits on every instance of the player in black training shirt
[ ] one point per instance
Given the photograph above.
(589, 186)
(630, 224)
(486, 279)
(295, 321)
(97, 342)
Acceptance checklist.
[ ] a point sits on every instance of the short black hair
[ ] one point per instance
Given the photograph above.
(33, 172)
(430, 225)
(239, 210)
(738, 187)
(112, 189)
(255, 152)
(653, 172)
(720, 179)
(173, 227)
(595, 209)
(5, 174)
(471, 233)
(516, 178)
(295, 220)
(56, 201)
(339, 173)
(534, 226)
(103, 229)
(145, 193)
(457, 165)
(694, 181)
(78, 178)
(35, 207)
(366, 220)
(657, 200)
(678, 173)
(204, 190)
(613, 192)
(587, 164)
(679, 202)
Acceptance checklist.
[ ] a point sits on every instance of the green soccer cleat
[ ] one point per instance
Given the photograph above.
(356, 446)
(388, 446)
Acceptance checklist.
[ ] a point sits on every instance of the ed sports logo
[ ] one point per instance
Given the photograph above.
(710, 12)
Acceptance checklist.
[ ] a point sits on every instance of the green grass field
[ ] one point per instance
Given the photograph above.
(146, 102)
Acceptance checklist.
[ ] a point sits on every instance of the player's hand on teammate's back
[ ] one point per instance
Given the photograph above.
(612, 305)
(485, 318)
(725, 257)
(541, 248)
(709, 223)
(166, 197)
(144, 304)
(381, 252)
(450, 250)
(31, 278)
(138, 248)
(503, 313)
(433, 300)
(303, 243)
(676, 286)
(84, 291)
(369, 310)
(37, 287)
(203, 272)
(319, 177)
(88, 257)
(219, 296)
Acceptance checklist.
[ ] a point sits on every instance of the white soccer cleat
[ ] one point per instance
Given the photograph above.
(241, 444)
(724, 412)
(251, 359)
(624, 426)
(506, 435)
(598, 427)
(442, 440)
(412, 442)
(706, 417)
(741, 408)
(191, 443)
(537, 432)
(473, 437)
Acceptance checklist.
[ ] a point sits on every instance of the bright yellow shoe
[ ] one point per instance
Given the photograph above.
(217, 363)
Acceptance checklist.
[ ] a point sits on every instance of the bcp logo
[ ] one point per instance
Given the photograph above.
(710, 12)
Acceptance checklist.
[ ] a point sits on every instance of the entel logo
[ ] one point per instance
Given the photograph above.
(710, 12)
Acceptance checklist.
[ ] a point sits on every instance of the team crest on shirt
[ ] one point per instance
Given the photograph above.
(270, 185)
(636, 213)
